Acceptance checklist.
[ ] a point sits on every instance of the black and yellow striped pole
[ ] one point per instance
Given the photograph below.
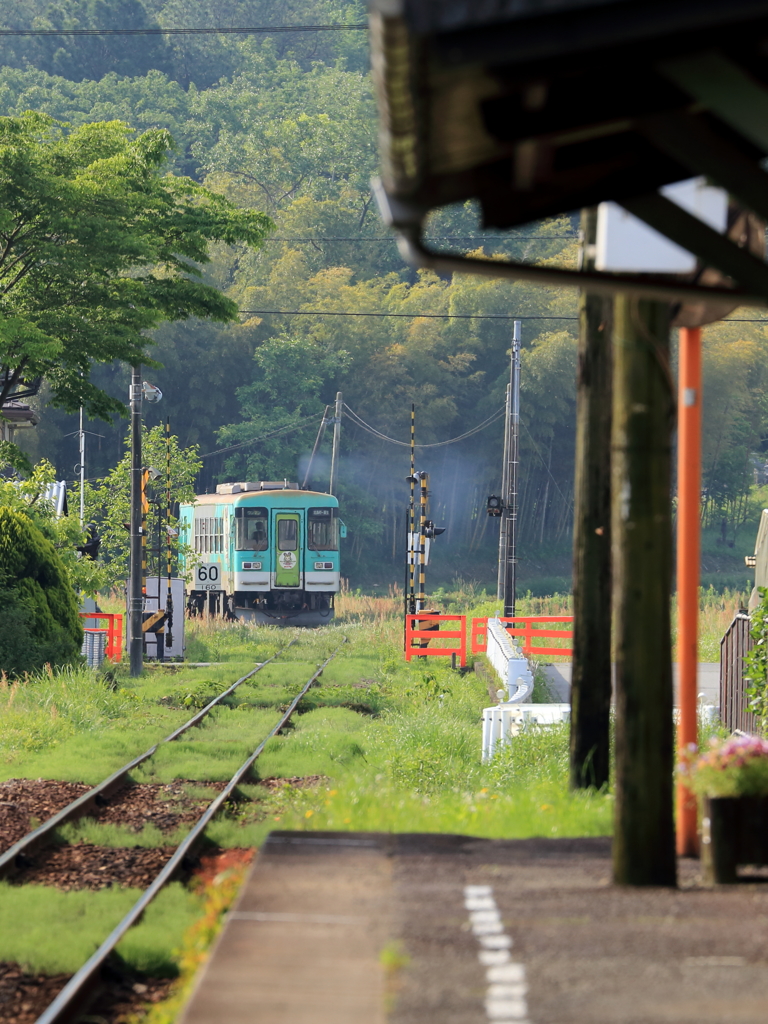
(144, 514)
(168, 539)
(412, 525)
(421, 599)
(410, 597)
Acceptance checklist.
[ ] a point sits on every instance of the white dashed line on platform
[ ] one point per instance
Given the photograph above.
(505, 998)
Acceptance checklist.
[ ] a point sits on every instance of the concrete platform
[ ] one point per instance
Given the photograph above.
(432, 929)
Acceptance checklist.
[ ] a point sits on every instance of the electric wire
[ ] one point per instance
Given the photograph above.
(263, 437)
(360, 422)
(407, 316)
(431, 238)
(448, 316)
(546, 467)
(218, 31)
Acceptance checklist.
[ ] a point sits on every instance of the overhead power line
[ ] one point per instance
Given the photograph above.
(546, 467)
(263, 437)
(408, 316)
(431, 238)
(447, 316)
(360, 422)
(219, 31)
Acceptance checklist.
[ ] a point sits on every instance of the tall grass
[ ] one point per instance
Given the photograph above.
(354, 606)
(43, 709)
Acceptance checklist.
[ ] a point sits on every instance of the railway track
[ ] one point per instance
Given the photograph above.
(17, 857)
(78, 991)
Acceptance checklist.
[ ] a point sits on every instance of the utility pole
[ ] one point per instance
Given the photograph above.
(336, 439)
(591, 666)
(503, 532)
(509, 555)
(421, 597)
(644, 838)
(136, 602)
(82, 472)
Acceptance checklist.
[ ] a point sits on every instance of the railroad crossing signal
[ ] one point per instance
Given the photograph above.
(432, 531)
(494, 505)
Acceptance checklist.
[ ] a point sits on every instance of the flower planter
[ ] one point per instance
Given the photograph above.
(734, 831)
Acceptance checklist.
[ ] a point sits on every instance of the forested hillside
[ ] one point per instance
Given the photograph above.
(284, 122)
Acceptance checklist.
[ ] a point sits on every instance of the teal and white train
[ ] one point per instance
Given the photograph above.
(264, 552)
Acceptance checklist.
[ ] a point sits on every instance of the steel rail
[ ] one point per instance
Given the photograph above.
(14, 859)
(69, 1000)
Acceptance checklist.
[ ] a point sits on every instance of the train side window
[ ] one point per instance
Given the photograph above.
(209, 535)
(323, 535)
(251, 535)
(287, 537)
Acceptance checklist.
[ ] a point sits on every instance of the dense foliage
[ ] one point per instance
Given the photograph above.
(28, 496)
(107, 504)
(97, 246)
(39, 622)
(286, 123)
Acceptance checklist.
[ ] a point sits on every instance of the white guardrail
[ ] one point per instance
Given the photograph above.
(509, 663)
(503, 722)
(513, 715)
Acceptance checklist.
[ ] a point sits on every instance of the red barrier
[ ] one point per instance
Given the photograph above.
(527, 631)
(114, 648)
(412, 632)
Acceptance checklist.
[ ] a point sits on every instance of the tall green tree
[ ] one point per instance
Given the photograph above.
(99, 246)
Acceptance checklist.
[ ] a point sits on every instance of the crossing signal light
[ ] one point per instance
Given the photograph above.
(432, 531)
(494, 506)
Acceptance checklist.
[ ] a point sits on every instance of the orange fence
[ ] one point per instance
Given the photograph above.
(413, 632)
(114, 648)
(525, 627)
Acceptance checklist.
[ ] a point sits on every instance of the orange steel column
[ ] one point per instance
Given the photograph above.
(688, 512)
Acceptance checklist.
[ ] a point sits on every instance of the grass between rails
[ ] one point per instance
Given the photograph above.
(51, 931)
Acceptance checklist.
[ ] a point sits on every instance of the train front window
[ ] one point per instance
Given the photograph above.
(323, 535)
(252, 534)
(287, 535)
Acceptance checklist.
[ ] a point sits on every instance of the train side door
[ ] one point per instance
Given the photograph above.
(287, 542)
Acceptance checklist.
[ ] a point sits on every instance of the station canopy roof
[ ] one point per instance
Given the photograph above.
(541, 107)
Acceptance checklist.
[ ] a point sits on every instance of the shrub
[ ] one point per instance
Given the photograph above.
(39, 621)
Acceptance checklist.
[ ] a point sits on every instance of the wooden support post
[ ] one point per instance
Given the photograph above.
(644, 839)
(591, 667)
(688, 510)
